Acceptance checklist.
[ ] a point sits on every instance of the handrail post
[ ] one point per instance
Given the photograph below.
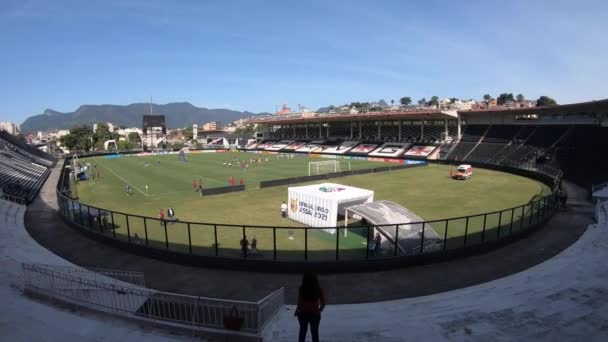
(146, 230)
(499, 223)
(367, 244)
(521, 219)
(396, 238)
(89, 217)
(337, 243)
(217, 251)
(466, 230)
(305, 243)
(166, 235)
(128, 228)
(483, 230)
(445, 235)
(113, 226)
(244, 246)
(189, 239)
(73, 211)
(274, 242)
(99, 220)
(511, 224)
(422, 238)
(80, 214)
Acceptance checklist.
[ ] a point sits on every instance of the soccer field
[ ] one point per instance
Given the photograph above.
(427, 191)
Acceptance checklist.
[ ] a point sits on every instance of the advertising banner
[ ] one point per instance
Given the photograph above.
(420, 151)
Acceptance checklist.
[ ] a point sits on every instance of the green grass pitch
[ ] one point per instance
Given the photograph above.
(427, 191)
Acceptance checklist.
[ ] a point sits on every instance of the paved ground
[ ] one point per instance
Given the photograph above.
(44, 224)
(24, 320)
(562, 299)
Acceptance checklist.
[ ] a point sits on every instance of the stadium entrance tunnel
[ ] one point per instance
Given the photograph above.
(399, 225)
(412, 241)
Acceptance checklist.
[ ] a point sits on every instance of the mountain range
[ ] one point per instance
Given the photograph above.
(178, 114)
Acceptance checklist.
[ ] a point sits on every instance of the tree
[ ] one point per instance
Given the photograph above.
(392, 103)
(124, 145)
(134, 138)
(422, 102)
(434, 101)
(79, 139)
(405, 101)
(453, 100)
(21, 138)
(545, 101)
(103, 134)
(520, 98)
(487, 97)
(504, 98)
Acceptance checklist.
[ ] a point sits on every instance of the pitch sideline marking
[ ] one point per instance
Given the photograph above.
(124, 180)
(211, 179)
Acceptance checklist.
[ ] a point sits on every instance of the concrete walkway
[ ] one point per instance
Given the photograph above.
(562, 299)
(26, 319)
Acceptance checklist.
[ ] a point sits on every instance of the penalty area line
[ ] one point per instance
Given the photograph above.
(124, 180)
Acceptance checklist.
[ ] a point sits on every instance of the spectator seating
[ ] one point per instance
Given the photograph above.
(575, 150)
(433, 132)
(22, 170)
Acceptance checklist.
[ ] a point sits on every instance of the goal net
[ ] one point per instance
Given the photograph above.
(328, 166)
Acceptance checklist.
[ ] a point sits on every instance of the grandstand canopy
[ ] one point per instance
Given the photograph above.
(383, 212)
(371, 116)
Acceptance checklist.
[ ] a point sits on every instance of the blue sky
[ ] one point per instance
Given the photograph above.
(253, 55)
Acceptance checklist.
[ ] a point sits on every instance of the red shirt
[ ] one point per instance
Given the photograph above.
(311, 307)
(161, 215)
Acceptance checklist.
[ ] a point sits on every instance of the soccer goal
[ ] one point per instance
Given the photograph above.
(327, 166)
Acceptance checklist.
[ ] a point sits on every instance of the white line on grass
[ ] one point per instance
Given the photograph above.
(124, 180)
(211, 179)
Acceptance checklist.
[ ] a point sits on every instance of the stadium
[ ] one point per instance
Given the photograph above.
(401, 204)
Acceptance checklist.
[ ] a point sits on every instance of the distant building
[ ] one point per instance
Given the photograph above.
(110, 127)
(212, 126)
(125, 131)
(62, 132)
(284, 110)
(10, 127)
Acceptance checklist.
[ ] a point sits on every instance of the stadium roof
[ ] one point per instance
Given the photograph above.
(573, 108)
(409, 115)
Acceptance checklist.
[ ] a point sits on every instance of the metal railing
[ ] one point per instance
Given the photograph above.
(279, 243)
(76, 286)
(102, 274)
(13, 198)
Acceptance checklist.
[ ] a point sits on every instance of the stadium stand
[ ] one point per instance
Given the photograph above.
(22, 169)
(579, 155)
(433, 133)
(339, 131)
(573, 149)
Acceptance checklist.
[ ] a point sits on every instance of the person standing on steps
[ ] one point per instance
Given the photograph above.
(311, 302)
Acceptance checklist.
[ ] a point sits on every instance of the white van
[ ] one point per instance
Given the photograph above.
(463, 172)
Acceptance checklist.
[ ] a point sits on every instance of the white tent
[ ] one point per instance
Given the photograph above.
(318, 205)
